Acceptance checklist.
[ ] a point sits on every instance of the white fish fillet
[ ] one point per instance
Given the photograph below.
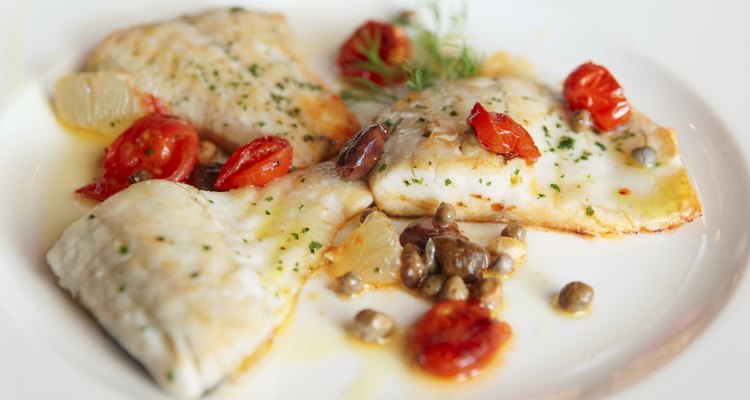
(191, 283)
(584, 182)
(232, 74)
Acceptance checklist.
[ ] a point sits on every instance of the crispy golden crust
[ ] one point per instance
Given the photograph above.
(584, 182)
(235, 76)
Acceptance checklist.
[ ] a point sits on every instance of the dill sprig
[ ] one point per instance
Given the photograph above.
(440, 54)
(362, 89)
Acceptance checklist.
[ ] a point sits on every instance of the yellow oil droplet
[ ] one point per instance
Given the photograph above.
(87, 135)
(76, 164)
(574, 315)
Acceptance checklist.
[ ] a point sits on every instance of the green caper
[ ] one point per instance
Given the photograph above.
(373, 326)
(349, 284)
(431, 286)
(454, 289)
(515, 231)
(575, 297)
(445, 214)
(581, 120)
(644, 155)
(489, 291)
(413, 268)
(503, 264)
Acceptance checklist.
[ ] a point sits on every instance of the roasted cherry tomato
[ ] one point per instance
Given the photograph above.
(376, 52)
(593, 88)
(457, 337)
(500, 134)
(256, 163)
(154, 147)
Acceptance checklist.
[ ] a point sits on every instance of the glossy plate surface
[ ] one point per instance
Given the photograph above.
(654, 293)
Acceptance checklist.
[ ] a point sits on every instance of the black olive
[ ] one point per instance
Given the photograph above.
(205, 175)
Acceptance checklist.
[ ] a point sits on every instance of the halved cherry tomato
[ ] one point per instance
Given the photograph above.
(386, 42)
(256, 163)
(154, 147)
(592, 87)
(457, 337)
(500, 134)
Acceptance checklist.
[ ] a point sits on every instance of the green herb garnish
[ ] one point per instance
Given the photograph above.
(440, 53)
(314, 246)
(566, 142)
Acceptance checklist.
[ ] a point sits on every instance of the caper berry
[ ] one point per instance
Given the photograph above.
(575, 297)
(502, 264)
(454, 289)
(515, 231)
(445, 214)
(373, 326)
(349, 284)
(644, 155)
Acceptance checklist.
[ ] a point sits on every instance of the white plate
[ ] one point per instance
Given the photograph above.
(655, 293)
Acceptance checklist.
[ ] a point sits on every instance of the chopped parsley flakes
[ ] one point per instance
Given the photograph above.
(566, 142)
(314, 246)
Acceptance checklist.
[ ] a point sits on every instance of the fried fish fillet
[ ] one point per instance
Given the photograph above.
(585, 182)
(191, 283)
(232, 74)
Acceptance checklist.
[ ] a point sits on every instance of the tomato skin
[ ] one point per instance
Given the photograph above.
(155, 146)
(457, 337)
(500, 134)
(592, 87)
(394, 49)
(256, 163)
